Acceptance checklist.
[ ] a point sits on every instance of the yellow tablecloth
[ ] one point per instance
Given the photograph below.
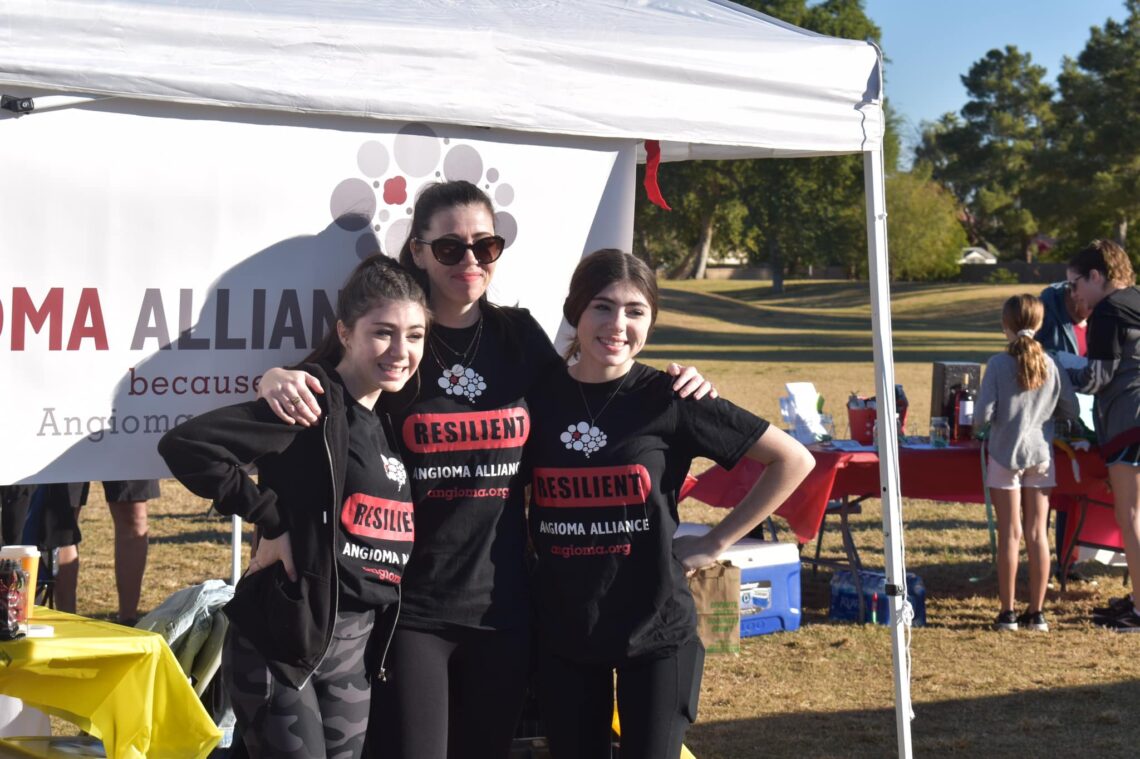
(122, 685)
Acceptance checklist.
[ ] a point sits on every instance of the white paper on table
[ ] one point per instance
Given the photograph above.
(1085, 403)
(800, 409)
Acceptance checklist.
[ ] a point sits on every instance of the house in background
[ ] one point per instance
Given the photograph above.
(975, 255)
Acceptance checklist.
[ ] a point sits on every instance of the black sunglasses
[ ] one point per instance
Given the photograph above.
(1071, 284)
(450, 251)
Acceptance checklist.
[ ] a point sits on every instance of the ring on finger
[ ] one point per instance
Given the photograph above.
(295, 400)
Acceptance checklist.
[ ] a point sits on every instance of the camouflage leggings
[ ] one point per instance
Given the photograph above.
(324, 720)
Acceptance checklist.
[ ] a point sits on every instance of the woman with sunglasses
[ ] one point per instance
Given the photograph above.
(460, 658)
(610, 451)
(1102, 279)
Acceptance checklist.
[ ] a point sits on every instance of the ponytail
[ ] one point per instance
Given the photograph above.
(1023, 315)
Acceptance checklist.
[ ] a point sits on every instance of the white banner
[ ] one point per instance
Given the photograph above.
(157, 259)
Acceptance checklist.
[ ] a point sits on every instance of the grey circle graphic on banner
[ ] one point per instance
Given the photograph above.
(463, 162)
(506, 226)
(492, 175)
(416, 148)
(504, 195)
(372, 158)
(396, 235)
(353, 204)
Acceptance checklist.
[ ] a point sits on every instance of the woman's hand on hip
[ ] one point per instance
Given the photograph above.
(694, 552)
(273, 550)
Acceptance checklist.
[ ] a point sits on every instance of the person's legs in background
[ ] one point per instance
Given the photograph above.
(1125, 480)
(57, 527)
(1035, 507)
(66, 577)
(1007, 505)
(14, 502)
(127, 502)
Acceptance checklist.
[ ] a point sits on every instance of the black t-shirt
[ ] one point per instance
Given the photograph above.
(463, 444)
(375, 526)
(604, 508)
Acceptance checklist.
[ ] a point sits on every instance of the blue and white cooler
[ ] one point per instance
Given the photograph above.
(769, 582)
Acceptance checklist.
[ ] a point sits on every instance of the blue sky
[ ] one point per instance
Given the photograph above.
(931, 44)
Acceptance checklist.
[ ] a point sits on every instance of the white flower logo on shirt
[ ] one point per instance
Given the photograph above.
(463, 381)
(394, 468)
(583, 437)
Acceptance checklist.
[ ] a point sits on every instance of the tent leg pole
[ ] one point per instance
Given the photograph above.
(235, 551)
(890, 492)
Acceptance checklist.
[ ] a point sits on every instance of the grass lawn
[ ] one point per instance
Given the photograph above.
(825, 690)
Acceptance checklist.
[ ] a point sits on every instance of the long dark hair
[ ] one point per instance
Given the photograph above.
(440, 196)
(595, 273)
(432, 199)
(375, 280)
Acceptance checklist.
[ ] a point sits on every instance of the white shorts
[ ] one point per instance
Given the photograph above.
(1040, 476)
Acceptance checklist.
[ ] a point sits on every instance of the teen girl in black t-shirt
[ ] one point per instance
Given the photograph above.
(461, 654)
(334, 510)
(610, 448)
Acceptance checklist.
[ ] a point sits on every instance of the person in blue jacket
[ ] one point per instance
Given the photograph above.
(1063, 331)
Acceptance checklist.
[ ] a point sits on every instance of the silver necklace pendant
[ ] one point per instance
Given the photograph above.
(585, 437)
(460, 380)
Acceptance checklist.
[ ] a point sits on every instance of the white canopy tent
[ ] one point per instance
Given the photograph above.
(708, 79)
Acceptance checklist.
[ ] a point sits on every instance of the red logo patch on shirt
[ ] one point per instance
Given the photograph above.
(367, 516)
(567, 487)
(471, 431)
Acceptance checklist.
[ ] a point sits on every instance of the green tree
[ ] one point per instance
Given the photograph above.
(926, 238)
(791, 213)
(1096, 155)
(986, 157)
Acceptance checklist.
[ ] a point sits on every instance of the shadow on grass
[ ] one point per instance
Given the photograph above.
(843, 337)
(1096, 720)
(197, 536)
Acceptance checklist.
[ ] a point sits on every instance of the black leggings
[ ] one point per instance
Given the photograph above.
(657, 701)
(450, 694)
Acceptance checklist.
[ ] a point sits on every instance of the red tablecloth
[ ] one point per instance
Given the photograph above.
(945, 474)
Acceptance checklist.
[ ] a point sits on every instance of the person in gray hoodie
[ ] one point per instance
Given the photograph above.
(1022, 390)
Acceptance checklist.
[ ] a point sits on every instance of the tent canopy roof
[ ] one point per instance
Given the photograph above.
(710, 79)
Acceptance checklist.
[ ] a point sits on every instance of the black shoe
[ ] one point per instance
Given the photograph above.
(1006, 621)
(1117, 607)
(1129, 622)
(1033, 620)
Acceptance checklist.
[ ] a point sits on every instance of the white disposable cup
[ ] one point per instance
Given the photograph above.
(29, 559)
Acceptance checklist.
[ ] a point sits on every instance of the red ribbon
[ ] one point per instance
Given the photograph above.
(652, 161)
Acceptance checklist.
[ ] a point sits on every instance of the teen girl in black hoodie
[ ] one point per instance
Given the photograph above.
(333, 506)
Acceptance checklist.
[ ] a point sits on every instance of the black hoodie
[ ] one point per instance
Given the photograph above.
(1113, 371)
(301, 473)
